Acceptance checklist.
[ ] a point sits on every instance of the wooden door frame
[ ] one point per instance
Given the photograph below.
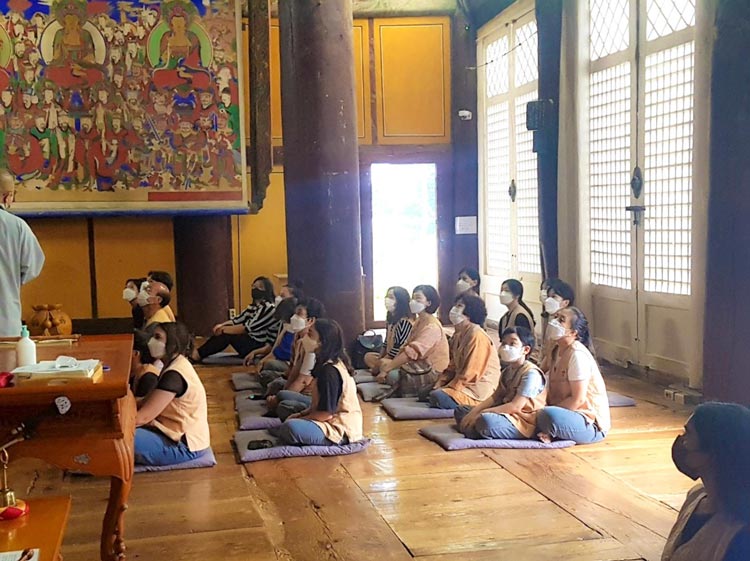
(441, 156)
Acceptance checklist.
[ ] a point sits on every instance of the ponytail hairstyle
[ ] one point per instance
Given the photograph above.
(580, 325)
(516, 289)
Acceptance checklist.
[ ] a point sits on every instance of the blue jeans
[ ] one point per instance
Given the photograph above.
(564, 424)
(488, 426)
(152, 448)
(301, 432)
(441, 400)
(291, 402)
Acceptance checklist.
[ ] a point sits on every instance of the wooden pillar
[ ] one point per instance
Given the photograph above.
(321, 161)
(549, 26)
(726, 326)
(464, 145)
(203, 262)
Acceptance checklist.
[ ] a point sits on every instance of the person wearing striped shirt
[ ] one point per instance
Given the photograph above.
(399, 322)
(254, 328)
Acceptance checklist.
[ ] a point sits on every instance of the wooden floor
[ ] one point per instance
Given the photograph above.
(403, 498)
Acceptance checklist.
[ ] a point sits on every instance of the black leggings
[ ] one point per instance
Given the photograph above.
(242, 343)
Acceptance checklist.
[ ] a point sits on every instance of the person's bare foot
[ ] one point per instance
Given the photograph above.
(544, 437)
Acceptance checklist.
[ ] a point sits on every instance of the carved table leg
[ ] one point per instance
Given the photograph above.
(113, 528)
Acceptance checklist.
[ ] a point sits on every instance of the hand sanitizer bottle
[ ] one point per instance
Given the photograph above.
(25, 349)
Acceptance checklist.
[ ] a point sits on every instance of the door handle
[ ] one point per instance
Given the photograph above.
(637, 211)
(512, 190)
(636, 182)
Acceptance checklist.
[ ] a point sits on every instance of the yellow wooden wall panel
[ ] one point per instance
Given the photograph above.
(362, 82)
(260, 241)
(413, 77)
(65, 278)
(126, 248)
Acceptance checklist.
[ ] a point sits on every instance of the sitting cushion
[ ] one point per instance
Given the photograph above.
(204, 460)
(242, 398)
(251, 416)
(619, 400)
(244, 381)
(224, 359)
(361, 376)
(370, 390)
(450, 439)
(408, 408)
(241, 439)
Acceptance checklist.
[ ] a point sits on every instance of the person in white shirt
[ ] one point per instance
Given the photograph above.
(21, 259)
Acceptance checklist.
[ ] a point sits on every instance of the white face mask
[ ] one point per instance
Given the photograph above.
(456, 315)
(542, 296)
(555, 330)
(143, 298)
(278, 300)
(308, 363)
(309, 344)
(551, 305)
(129, 294)
(509, 353)
(462, 286)
(156, 348)
(297, 323)
(390, 305)
(506, 297)
(416, 307)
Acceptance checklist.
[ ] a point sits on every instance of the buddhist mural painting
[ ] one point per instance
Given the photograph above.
(122, 105)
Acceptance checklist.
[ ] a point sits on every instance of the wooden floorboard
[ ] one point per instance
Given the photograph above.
(402, 498)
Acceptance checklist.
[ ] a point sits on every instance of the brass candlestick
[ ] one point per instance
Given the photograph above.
(7, 496)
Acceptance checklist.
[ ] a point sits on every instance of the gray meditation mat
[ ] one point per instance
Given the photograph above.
(371, 390)
(409, 409)
(363, 375)
(245, 381)
(450, 439)
(224, 359)
(242, 438)
(619, 400)
(250, 416)
(206, 459)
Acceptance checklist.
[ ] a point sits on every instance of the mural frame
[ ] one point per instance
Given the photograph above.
(168, 138)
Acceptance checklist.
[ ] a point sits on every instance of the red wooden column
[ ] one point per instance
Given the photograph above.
(203, 262)
(321, 161)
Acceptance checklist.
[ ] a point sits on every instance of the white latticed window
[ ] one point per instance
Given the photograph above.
(658, 138)
(508, 71)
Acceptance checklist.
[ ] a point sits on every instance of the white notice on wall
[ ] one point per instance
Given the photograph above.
(466, 225)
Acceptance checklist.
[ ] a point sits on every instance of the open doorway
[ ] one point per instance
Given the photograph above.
(404, 229)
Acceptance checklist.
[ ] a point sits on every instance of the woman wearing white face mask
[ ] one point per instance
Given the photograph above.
(468, 281)
(558, 295)
(399, 324)
(510, 412)
(130, 295)
(518, 314)
(275, 375)
(577, 404)
(427, 342)
(474, 369)
(172, 421)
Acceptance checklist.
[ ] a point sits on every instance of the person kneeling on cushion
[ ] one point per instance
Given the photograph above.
(510, 413)
(334, 416)
(172, 421)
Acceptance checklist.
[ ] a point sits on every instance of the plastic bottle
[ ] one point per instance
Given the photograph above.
(25, 349)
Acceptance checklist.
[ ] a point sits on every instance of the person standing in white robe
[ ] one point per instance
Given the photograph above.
(21, 259)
